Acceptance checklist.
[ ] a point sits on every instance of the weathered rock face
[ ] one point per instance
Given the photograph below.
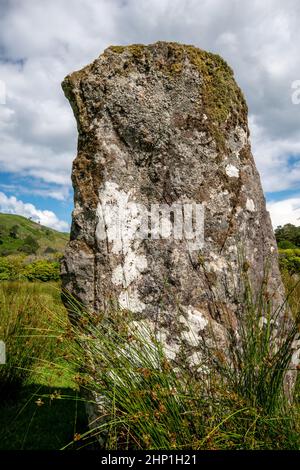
(166, 124)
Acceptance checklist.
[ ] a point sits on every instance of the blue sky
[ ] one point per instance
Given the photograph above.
(38, 193)
(41, 42)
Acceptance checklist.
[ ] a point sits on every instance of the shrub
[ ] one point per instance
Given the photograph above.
(14, 268)
(286, 244)
(288, 232)
(30, 245)
(13, 233)
(49, 250)
(11, 267)
(289, 260)
(42, 270)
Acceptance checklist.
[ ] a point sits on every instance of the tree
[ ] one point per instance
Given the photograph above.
(13, 233)
(288, 232)
(30, 245)
(289, 260)
(286, 245)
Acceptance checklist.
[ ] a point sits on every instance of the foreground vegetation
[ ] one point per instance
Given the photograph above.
(149, 403)
(40, 406)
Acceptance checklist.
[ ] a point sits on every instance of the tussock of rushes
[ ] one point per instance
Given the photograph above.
(261, 349)
(145, 402)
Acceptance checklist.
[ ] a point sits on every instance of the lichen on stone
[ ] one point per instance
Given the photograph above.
(221, 98)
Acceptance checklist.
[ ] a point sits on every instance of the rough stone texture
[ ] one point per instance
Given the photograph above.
(167, 123)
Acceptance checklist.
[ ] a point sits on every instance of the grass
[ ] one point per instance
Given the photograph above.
(41, 418)
(40, 407)
(147, 401)
(26, 310)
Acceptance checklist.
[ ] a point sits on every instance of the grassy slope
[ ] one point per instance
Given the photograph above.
(45, 237)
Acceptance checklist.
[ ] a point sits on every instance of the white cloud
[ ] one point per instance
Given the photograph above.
(284, 212)
(11, 205)
(41, 42)
(277, 158)
(60, 193)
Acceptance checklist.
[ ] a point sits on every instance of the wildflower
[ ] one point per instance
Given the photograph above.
(147, 439)
(162, 408)
(55, 395)
(145, 372)
(39, 402)
(165, 365)
(76, 437)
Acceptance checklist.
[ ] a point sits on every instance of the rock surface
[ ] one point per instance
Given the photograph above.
(159, 125)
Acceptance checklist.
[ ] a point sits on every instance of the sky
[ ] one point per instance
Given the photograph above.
(42, 41)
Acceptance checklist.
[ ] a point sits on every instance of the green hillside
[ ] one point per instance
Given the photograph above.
(19, 235)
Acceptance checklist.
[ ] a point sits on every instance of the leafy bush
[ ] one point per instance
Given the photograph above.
(49, 250)
(11, 267)
(42, 270)
(286, 244)
(288, 232)
(289, 260)
(14, 268)
(30, 245)
(13, 233)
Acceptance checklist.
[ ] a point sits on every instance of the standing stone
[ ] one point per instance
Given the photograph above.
(165, 126)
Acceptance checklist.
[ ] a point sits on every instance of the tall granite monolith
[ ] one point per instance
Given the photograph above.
(169, 210)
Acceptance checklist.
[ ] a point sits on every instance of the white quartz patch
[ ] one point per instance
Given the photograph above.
(232, 171)
(195, 322)
(129, 300)
(134, 264)
(217, 263)
(118, 221)
(250, 205)
(296, 354)
(118, 218)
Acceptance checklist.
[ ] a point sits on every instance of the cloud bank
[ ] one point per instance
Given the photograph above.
(41, 42)
(11, 205)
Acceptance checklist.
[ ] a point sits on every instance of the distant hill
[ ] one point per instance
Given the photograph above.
(19, 235)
